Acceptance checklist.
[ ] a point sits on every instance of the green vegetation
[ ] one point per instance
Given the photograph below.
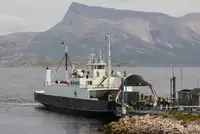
(181, 116)
(186, 117)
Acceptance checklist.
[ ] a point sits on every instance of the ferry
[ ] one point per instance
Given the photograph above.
(96, 91)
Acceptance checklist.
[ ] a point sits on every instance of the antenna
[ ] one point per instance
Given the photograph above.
(100, 55)
(108, 37)
(92, 56)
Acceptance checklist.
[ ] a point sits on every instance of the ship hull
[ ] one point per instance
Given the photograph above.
(77, 107)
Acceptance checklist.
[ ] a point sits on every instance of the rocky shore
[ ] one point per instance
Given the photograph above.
(153, 124)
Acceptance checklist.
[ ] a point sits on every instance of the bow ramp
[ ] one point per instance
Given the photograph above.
(134, 80)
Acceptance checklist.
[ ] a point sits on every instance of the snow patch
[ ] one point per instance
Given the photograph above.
(171, 54)
(169, 45)
(142, 51)
(193, 29)
(146, 39)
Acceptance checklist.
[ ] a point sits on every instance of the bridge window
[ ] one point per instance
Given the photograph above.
(75, 83)
(100, 67)
(89, 82)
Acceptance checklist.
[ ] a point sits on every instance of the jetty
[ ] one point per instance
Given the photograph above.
(186, 102)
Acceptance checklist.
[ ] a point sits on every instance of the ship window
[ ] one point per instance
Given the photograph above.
(74, 83)
(103, 67)
(90, 82)
(99, 67)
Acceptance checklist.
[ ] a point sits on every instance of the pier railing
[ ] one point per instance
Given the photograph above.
(163, 109)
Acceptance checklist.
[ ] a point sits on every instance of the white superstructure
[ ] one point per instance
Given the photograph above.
(89, 83)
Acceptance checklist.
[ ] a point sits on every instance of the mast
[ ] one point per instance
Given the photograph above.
(109, 58)
(73, 66)
(66, 59)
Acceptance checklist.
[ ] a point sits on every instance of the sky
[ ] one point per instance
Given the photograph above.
(40, 15)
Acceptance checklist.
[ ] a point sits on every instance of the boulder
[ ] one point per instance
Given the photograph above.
(151, 124)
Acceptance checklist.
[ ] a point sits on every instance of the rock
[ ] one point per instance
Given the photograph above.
(151, 124)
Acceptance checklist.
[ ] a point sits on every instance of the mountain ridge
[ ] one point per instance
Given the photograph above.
(139, 38)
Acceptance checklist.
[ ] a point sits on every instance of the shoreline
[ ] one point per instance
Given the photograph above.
(153, 124)
(62, 65)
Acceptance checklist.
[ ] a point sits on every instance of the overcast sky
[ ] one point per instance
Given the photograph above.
(39, 15)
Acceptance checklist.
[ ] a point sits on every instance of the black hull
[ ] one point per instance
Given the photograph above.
(88, 114)
(78, 107)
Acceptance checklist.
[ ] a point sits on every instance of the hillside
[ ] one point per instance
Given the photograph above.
(139, 38)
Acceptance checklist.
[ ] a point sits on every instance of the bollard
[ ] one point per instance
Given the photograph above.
(124, 111)
(161, 107)
(170, 107)
(166, 107)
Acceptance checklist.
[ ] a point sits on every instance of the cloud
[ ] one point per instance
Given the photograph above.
(34, 15)
(10, 23)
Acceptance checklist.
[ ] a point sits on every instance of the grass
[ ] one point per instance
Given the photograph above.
(186, 117)
(181, 116)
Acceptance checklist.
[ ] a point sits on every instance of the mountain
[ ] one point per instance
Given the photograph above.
(139, 38)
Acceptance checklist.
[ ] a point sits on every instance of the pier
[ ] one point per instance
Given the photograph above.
(159, 110)
(187, 100)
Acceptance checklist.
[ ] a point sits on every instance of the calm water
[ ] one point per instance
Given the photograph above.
(19, 114)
